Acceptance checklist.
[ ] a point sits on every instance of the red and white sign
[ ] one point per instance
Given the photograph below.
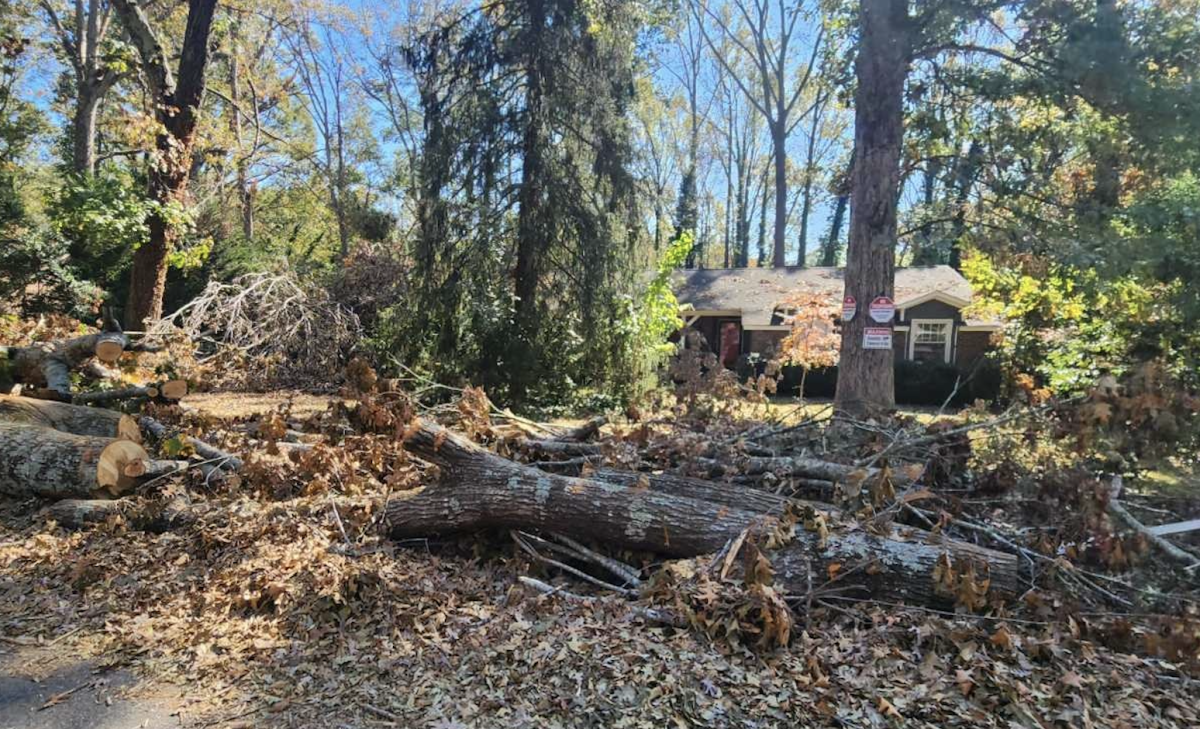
(883, 309)
(849, 308)
(877, 338)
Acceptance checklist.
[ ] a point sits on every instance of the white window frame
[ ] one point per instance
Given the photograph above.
(915, 327)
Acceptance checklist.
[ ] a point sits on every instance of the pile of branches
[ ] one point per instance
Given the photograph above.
(763, 521)
(268, 329)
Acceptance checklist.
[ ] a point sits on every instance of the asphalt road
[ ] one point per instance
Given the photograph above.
(80, 697)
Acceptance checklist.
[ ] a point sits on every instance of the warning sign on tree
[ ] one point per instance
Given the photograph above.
(883, 309)
(877, 338)
(849, 308)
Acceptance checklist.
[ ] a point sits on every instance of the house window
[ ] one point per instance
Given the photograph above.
(931, 341)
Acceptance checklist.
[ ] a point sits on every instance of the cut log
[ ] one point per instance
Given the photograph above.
(37, 461)
(49, 364)
(69, 418)
(155, 518)
(128, 393)
(110, 346)
(173, 389)
(482, 490)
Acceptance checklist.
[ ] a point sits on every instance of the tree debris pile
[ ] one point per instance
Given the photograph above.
(321, 571)
(264, 331)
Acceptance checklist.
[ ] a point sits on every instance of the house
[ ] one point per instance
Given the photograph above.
(742, 311)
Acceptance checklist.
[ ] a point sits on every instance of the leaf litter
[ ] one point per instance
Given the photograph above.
(282, 606)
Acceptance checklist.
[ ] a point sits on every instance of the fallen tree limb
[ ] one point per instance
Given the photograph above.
(1117, 509)
(559, 447)
(37, 461)
(223, 459)
(68, 418)
(169, 390)
(482, 491)
(583, 432)
(801, 467)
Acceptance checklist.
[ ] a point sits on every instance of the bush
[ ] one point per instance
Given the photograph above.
(917, 383)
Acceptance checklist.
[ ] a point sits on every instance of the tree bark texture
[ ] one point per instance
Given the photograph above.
(865, 376)
(69, 418)
(177, 107)
(49, 364)
(42, 462)
(779, 141)
(481, 490)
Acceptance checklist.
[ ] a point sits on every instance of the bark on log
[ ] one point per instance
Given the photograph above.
(69, 418)
(813, 468)
(169, 390)
(482, 490)
(36, 461)
(49, 364)
(559, 447)
(80, 513)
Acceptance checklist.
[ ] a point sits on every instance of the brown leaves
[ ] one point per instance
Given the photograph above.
(959, 581)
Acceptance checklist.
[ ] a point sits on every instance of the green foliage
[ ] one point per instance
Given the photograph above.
(1065, 326)
(650, 320)
(102, 219)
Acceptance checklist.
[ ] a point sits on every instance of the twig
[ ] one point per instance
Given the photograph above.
(620, 569)
(568, 568)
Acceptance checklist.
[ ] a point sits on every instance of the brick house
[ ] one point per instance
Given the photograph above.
(743, 311)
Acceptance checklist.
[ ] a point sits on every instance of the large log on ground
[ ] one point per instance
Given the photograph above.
(481, 490)
(36, 461)
(49, 364)
(68, 418)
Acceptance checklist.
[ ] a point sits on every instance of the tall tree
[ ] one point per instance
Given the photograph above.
(329, 96)
(865, 376)
(765, 34)
(81, 31)
(176, 103)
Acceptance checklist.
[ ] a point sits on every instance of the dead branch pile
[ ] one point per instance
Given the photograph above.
(273, 329)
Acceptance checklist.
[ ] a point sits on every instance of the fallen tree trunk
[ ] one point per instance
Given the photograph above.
(483, 490)
(37, 461)
(69, 418)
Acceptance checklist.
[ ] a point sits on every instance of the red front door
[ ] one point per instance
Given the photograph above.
(731, 343)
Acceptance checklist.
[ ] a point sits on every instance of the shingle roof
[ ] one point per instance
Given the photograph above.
(756, 292)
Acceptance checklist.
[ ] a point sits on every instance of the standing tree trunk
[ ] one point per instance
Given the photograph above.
(245, 195)
(779, 252)
(531, 232)
(83, 130)
(177, 107)
(866, 381)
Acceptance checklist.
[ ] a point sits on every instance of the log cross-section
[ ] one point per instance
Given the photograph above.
(480, 490)
(36, 461)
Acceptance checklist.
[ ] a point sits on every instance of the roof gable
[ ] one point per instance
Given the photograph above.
(757, 292)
